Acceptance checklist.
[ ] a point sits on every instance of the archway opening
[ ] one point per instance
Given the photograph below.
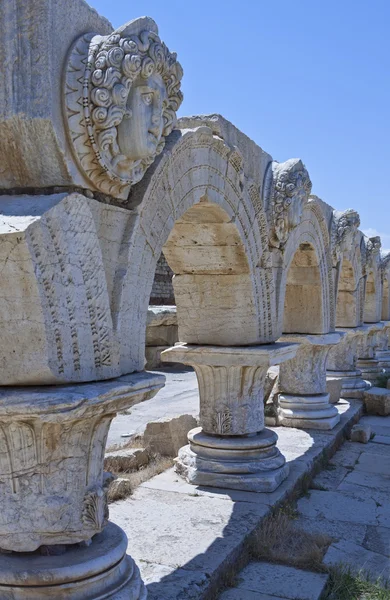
(213, 287)
(303, 303)
(370, 300)
(385, 301)
(347, 305)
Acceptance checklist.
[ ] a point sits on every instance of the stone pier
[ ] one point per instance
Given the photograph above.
(303, 399)
(232, 448)
(367, 361)
(341, 365)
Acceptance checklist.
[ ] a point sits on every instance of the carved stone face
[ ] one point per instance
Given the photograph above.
(141, 129)
(297, 204)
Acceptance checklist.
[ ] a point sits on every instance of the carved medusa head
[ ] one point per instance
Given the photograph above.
(130, 94)
(288, 187)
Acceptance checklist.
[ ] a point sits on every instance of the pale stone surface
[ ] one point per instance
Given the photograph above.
(377, 401)
(240, 594)
(191, 531)
(378, 540)
(52, 468)
(358, 559)
(85, 572)
(361, 433)
(231, 388)
(281, 580)
(337, 507)
(167, 436)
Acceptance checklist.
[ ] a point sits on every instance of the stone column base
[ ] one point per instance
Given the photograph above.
(307, 412)
(352, 383)
(251, 463)
(101, 570)
(370, 369)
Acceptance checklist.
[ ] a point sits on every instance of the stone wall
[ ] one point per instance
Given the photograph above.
(162, 290)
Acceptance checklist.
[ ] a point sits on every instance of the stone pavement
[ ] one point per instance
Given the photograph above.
(185, 539)
(179, 396)
(349, 501)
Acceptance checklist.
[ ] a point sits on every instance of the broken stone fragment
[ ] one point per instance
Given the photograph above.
(361, 433)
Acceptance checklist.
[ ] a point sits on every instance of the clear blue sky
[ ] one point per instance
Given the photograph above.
(303, 78)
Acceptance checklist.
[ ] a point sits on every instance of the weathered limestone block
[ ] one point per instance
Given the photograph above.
(232, 449)
(59, 256)
(167, 436)
(303, 399)
(161, 326)
(119, 91)
(342, 374)
(377, 401)
(51, 463)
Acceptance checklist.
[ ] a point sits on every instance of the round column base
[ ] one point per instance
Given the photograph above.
(307, 412)
(252, 463)
(101, 570)
(371, 370)
(353, 385)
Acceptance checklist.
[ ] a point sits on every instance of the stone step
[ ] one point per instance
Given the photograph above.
(263, 581)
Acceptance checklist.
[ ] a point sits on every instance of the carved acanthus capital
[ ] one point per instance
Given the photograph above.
(344, 228)
(287, 187)
(122, 92)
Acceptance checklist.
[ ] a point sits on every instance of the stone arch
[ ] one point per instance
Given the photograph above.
(350, 291)
(306, 296)
(197, 188)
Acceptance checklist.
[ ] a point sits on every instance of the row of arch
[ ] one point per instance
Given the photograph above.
(205, 209)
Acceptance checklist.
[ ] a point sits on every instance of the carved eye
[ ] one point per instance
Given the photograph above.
(147, 98)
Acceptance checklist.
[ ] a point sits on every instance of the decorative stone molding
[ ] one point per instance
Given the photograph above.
(232, 449)
(287, 188)
(121, 95)
(344, 228)
(51, 465)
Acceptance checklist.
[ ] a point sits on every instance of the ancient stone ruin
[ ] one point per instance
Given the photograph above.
(98, 178)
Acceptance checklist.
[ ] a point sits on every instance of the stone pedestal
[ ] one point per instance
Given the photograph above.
(382, 351)
(80, 572)
(303, 399)
(53, 490)
(341, 365)
(367, 361)
(232, 448)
